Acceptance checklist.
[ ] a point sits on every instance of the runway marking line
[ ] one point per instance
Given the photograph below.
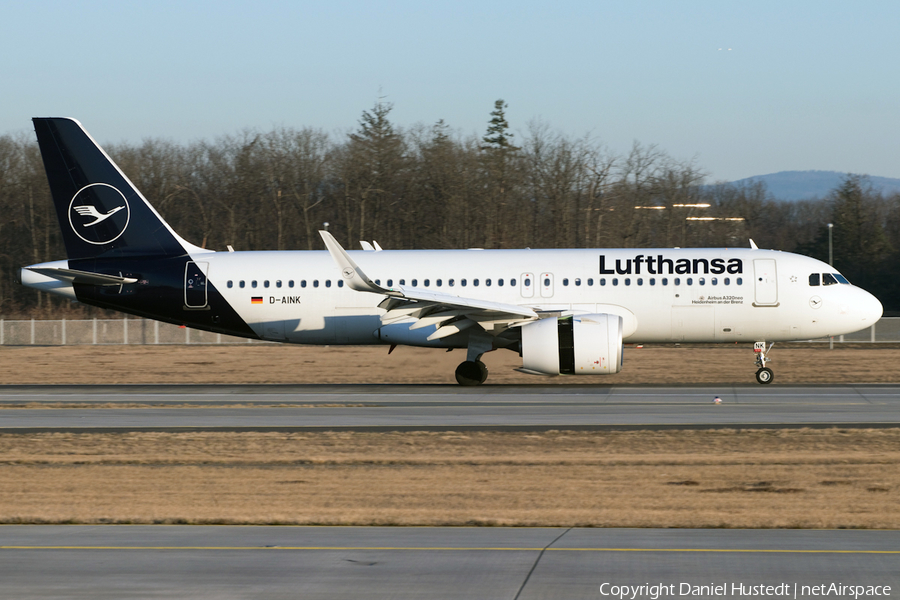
(441, 549)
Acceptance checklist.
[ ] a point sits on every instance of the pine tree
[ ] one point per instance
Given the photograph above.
(372, 171)
(499, 160)
(498, 136)
(859, 236)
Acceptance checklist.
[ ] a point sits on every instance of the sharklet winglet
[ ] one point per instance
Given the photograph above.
(355, 278)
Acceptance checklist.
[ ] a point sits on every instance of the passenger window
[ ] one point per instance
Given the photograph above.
(315, 283)
(450, 282)
(427, 283)
(577, 281)
(390, 283)
(230, 283)
(814, 279)
(512, 281)
(665, 281)
(652, 281)
(266, 283)
(714, 281)
(402, 282)
(327, 283)
(590, 281)
(500, 282)
(303, 283)
(828, 279)
(678, 281)
(415, 282)
(565, 282)
(291, 283)
(487, 282)
(702, 281)
(241, 284)
(603, 281)
(377, 282)
(628, 281)
(340, 283)
(462, 282)
(615, 281)
(278, 283)
(475, 282)
(253, 284)
(527, 281)
(690, 281)
(727, 281)
(740, 280)
(640, 281)
(438, 282)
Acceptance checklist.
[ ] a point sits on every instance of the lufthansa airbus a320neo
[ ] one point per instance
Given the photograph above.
(563, 311)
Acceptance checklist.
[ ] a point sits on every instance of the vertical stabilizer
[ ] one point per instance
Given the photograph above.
(101, 213)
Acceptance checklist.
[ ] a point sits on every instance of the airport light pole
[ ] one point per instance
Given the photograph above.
(831, 264)
(830, 245)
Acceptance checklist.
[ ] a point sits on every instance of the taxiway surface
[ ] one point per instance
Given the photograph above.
(259, 407)
(397, 562)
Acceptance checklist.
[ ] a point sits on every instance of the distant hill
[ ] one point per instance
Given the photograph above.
(803, 185)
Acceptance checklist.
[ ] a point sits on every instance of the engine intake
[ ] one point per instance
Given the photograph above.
(576, 345)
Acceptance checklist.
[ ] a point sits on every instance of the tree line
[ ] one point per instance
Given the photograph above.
(429, 187)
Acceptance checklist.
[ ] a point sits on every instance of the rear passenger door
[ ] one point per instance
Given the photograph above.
(546, 285)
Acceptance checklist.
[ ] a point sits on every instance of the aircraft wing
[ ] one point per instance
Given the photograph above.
(451, 314)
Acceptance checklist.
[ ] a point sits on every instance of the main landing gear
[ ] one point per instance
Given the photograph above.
(473, 371)
(764, 375)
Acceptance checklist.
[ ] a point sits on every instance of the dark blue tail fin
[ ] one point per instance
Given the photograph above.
(101, 213)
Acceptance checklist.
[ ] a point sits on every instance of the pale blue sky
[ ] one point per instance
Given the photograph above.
(805, 85)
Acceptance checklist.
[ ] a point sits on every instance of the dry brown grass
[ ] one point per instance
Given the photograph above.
(276, 363)
(727, 478)
(798, 478)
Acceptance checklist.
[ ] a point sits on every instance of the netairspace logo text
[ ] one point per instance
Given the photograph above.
(737, 590)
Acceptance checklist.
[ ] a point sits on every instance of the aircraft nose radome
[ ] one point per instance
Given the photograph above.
(870, 308)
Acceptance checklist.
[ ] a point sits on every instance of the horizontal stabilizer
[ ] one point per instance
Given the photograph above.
(85, 277)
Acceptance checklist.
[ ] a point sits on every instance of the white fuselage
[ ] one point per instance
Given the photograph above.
(663, 295)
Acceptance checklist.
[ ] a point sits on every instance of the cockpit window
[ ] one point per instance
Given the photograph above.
(827, 279)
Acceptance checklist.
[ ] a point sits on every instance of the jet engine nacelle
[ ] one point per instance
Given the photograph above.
(578, 345)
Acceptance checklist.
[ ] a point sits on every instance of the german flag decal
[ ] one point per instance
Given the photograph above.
(256, 300)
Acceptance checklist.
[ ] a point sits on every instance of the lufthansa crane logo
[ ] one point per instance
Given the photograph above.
(99, 213)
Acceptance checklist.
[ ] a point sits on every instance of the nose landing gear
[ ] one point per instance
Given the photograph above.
(764, 374)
